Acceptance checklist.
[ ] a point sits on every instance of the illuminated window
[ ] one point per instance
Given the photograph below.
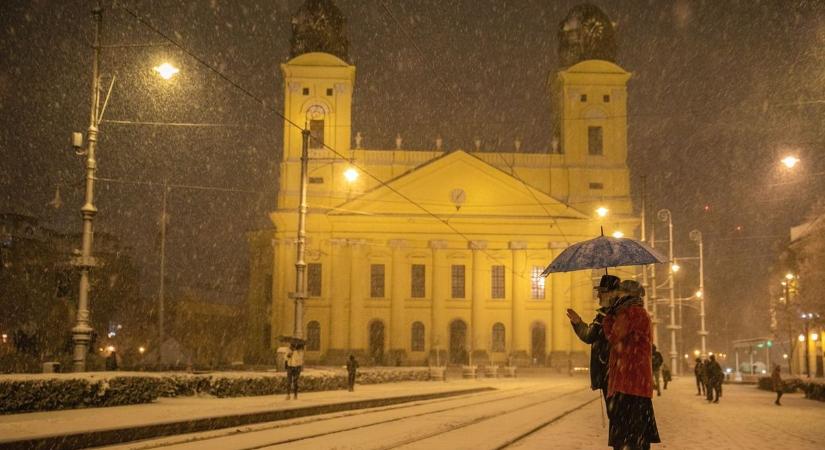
(377, 281)
(537, 283)
(306, 91)
(314, 279)
(594, 141)
(313, 336)
(417, 280)
(417, 337)
(498, 337)
(458, 280)
(497, 281)
(316, 133)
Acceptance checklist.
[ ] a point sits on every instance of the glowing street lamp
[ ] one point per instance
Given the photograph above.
(699, 294)
(790, 161)
(351, 174)
(601, 211)
(675, 267)
(801, 338)
(789, 276)
(618, 234)
(166, 70)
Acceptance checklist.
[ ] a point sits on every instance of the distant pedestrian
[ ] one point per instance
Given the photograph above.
(294, 365)
(697, 372)
(658, 360)
(352, 370)
(715, 378)
(628, 329)
(111, 361)
(666, 376)
(776, 380)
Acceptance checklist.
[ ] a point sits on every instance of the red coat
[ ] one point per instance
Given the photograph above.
(630, 369)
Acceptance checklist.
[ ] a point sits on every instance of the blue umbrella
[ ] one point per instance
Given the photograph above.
(604, 252)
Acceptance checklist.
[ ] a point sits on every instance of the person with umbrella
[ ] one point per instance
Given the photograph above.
(294, 365)
(628, 329)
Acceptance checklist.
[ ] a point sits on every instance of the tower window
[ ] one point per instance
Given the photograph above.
(316, 134)
(316, 180)
(417, 275)
(596, 185)
(606, 98)
(306, 91)
(497, 282)
(583, 98)
(537, 283)
(329, 92)
(594, 141)
(314, 279)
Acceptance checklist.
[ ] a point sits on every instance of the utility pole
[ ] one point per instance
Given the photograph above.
(696, 235)
(665, 216)
(162, 284)
(645, 299)
(300, 263)
(82, 331)
(653, 296)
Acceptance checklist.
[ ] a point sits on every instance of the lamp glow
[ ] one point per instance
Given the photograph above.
(618, 234)
(699, 294)
(814, 337)
(801, 338)
(351, 174)
(789, 276)
(142, 350)
(166, 70)
(675, 267)
(790, 161)
(601, 211)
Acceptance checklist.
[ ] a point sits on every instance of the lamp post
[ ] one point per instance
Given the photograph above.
(696, 236)
(665, 216)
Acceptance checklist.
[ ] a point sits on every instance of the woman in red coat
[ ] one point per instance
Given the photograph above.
(627, 327)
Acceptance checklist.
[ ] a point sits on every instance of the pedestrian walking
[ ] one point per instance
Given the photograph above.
(715, 378)
(628, 329)
(352, 370)
(294, 365)
(593, 333)
(657, 360)
(776, 380)
(666, 376)
(697, 372)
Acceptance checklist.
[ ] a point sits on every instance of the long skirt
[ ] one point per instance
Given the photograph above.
(632, 422)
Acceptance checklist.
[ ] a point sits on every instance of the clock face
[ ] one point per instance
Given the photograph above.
(458, 196)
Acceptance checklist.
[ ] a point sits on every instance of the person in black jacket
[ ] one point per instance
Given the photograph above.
(594, 335)
(698, 371)
(715, 379)
(657, 361)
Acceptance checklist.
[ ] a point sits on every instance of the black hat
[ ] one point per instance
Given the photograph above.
(608, 283)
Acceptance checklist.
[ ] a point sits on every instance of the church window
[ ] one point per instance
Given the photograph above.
(417, 337)
(316, 180)
(583, 98)
(314, 279)
(329, 92)
(497, 281)
(417, 278)
(458, 280)
(316, 134)
(594, 141)
(377, 281)
(498, 337)
(606, 98)
(596, 185)
(313, 336)
(537, 283)
(306, 91)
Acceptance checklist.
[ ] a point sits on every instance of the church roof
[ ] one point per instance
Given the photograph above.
(319, 26)
(458, 184)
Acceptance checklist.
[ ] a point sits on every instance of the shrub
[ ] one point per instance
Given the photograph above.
(66, 393)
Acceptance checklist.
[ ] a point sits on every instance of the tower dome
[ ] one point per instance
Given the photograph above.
(319, 26)
(586, 33)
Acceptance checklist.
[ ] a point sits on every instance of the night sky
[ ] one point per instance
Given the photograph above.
(721, 91)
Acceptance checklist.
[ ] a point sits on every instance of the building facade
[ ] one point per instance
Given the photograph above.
(435, 256)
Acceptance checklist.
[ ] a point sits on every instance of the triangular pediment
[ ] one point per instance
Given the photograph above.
(458, 184)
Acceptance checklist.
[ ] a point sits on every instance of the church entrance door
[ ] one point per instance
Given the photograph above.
(539, 336)
(377, 342)
(458, 342)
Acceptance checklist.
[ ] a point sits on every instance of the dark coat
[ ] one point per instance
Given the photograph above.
(714, 372)
(658, 360)
(593, 334)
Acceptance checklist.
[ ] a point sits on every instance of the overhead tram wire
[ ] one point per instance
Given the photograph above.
(266, 106)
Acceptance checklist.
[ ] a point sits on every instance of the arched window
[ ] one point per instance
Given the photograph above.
(417, 344)
(313, 336)
(498, 337)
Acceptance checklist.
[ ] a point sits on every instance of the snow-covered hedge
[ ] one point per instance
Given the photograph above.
(812, 389)
(65, 391)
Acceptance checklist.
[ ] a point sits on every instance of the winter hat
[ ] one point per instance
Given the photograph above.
(608, 283)
(632, 287)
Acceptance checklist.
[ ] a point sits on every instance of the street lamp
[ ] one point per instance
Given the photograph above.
(601, 211)
(665, 216)
(351, 174)
(790, 161)
(166, 70)
(618, 234)
(696, 236)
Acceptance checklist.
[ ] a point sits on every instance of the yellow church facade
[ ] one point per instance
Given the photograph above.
(435, 255)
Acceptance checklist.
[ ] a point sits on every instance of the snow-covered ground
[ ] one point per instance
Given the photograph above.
(744, 418)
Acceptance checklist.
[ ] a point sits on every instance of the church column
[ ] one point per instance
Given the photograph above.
(440, 290)
(561, 330)
(477, 325)
(339, 299)
(399, 292)
(521, 286)
(581, 299)
(359, 277)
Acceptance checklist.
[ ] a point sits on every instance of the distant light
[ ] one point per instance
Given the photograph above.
(707, 208)
(764, 371)
(675, 267)
(739, 228)
(686, 356)
(696, 352)
(110, 348)
(699, 294)
(351, 174)
(142, 350)
(785, 356)
(112, 334)
(710, 353)
(618, 234)
(789, 276)
(5, 337)
(790, 161)
(728, 370)
(801, 338)
(814, 337)
(166, 70)
(784, 283)
(601, 211)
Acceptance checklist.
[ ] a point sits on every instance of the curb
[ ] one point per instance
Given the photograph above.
(113, 436)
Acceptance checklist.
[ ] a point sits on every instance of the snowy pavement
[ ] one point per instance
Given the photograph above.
(744, 418)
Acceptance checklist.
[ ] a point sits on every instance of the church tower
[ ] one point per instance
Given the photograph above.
(318, 90)
(589, 94)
